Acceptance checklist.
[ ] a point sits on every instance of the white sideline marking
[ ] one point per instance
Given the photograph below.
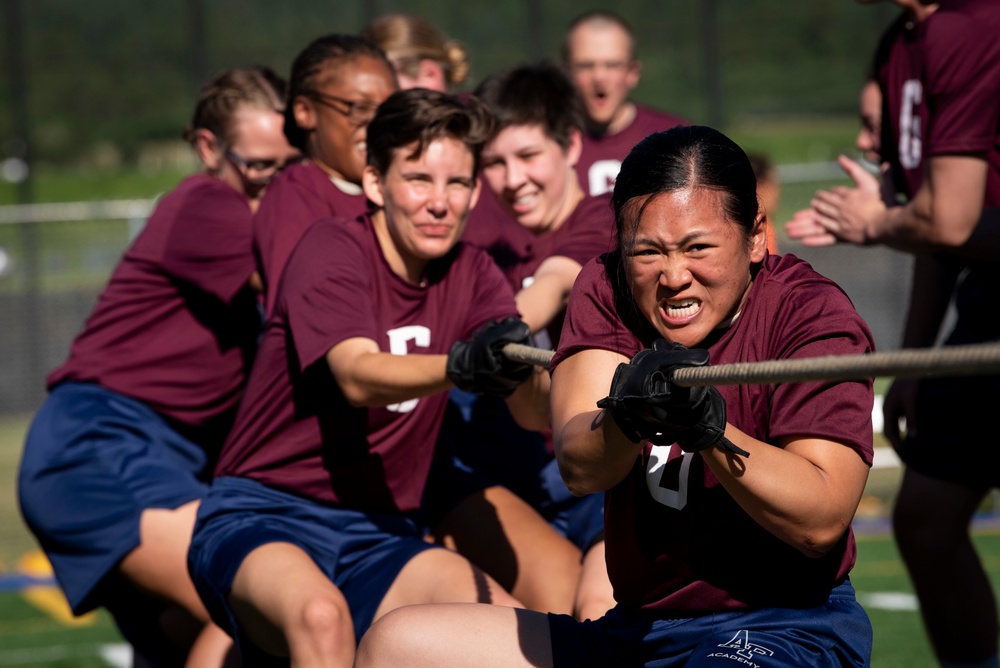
(119, 655)
(888, 600)
(116, 655)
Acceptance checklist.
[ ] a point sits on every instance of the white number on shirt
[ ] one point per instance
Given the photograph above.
(658, 457)
(909, 125)
(602, 175)
(399, 339)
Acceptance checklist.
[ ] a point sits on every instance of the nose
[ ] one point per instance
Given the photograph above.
(514, 175)
(437, 202)
(674, 274)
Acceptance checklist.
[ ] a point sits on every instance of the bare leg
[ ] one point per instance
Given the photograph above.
(441, 576)
(594, 596)
(931, 524)
(288, 606)
(459, 635)
(496, 530)
(159, 566)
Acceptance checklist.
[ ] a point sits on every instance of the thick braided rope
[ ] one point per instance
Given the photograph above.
(969, 360)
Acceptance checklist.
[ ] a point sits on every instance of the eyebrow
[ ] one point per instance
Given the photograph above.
(687, 238)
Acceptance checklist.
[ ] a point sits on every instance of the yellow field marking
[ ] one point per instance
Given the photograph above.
(49, 598)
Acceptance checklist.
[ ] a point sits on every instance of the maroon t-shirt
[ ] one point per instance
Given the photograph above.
(175, 326)
(941, 81)
(298, 197)
(295, 430)
(586, 233)
(602, 155)
(677, 542)
(941, 84)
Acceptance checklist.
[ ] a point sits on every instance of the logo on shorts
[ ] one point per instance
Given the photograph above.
(744, 651)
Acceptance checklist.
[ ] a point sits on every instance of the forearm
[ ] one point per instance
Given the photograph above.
(541, 301)
(593, 454)
(375, 379)
(943, 213)
(529, 405)
(805, 504)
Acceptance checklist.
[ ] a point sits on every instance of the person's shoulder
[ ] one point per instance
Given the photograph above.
(593, 212)
(201, 197)
(967, 24)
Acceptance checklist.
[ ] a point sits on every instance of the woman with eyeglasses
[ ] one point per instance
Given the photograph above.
(118, 458)
(336, 84)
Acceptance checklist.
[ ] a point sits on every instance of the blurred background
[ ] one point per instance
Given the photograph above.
(93, 97)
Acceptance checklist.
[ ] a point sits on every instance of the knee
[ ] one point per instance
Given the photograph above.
(325, 617)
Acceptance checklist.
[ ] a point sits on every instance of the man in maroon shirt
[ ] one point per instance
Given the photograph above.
(599, 54)
(940, 77)
(312, 514)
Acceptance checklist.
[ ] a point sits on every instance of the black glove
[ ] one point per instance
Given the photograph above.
(479, 365)
(645, 404)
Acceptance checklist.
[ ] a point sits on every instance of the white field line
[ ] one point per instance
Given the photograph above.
(117, 655)
(888, 600)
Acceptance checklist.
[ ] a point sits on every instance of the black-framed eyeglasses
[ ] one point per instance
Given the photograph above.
(359, 112)
(256, 172)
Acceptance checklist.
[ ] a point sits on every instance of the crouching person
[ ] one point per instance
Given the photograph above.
(308, 533)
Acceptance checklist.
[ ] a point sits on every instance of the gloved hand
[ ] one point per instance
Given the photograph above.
(479, 366)
(645, 404)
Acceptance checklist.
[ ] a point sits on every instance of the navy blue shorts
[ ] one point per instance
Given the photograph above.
(835, 634)
(361, 553)
(481, 446)
(93, 461)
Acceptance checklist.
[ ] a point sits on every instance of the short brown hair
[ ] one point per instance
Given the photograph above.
(419, 116)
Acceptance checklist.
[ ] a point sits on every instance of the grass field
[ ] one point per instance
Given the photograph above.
(31, 635)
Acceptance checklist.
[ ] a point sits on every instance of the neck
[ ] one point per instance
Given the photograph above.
(408, 268)
(621, 120)
(574, 193)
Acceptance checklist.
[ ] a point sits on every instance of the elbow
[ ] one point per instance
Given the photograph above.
(951, 237)
(820, 541)
(357, 396)
(578, 480)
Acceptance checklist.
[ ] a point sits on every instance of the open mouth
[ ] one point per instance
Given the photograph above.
(680, 311)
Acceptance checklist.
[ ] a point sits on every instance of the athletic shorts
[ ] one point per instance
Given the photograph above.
(481, 446)
(93, 461)
(835, 634)
(361, 553)
(951, 419)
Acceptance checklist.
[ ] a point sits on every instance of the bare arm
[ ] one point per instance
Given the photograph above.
(541, 301)
(942, 215)
(529, 405)
(372, 378)
(593, 453)
(805, 492)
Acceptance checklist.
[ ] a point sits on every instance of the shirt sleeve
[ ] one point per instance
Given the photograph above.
(592, 319)
(962, 60)
(209, 244)
(326, 297)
